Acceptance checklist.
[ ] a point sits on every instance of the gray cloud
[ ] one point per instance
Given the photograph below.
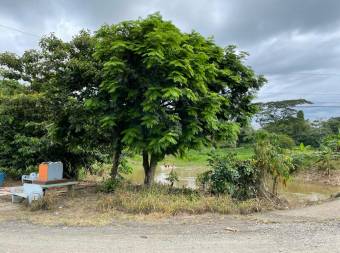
(294, 43)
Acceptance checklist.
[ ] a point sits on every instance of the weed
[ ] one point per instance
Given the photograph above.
(109, 185)
(162, 199)
(48, 202)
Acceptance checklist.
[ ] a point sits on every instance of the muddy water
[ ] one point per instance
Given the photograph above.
(296, 190)
(299, 190)
(186, 175)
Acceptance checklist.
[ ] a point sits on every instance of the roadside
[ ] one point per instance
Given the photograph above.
(310, 229)
(91, 208)
(76, 224)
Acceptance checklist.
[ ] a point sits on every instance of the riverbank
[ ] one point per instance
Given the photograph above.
(317, 176)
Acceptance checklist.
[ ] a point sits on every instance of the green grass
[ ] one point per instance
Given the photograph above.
(193, 163)
(199, 157)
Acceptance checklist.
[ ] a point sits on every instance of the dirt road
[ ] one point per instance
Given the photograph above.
(311, 229)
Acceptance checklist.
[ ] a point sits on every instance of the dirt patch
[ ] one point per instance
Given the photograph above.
(303, 230)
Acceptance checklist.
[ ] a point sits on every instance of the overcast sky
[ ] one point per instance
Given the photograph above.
(294, 43)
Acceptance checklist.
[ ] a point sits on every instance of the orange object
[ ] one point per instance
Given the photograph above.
(43, 172)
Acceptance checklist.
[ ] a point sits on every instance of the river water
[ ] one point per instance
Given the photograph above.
(295, 189)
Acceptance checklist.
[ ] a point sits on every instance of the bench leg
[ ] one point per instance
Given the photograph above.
(17, 199)
(70, 190)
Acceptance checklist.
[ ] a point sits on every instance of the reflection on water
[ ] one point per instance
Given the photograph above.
(309, 191)
(187, 177)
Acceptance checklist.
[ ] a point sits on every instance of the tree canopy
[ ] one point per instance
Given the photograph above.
(141, 85)
(165, 91)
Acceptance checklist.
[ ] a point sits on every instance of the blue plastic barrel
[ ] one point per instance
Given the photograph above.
(2, 178)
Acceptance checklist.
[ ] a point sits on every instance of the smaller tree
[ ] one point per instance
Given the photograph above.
(172, 178)
(329, 152)
(273, 161)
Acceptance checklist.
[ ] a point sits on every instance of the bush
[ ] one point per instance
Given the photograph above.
(231, 176)
(272, 160)
(172, 178)
(110, 185)
(284, 141)
(332, 141)
(325, 158)
(301, 161)
(16, 173)
(278, 140)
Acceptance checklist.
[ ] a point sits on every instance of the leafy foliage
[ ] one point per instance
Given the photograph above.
(272, 160)
(282, 117)
(23, 127)
(231, 176)
(303, 158)
(172, 177)
(275, 111)
(110, 185)
(165, 91)
(142, 86)
(329, 152)
(47, 106)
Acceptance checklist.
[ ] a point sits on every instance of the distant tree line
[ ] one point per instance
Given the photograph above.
(284, 119)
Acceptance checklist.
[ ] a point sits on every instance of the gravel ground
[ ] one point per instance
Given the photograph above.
(311, 229)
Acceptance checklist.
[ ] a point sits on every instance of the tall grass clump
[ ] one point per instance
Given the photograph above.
(171, 201)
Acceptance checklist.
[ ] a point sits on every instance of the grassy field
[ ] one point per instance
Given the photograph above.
(199, 157)
(187, 167)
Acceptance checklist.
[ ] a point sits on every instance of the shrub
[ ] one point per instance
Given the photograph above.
(284, 141)
(332, 142)
(15, 173)
(329, 153)
(274, 161)
(301, 161)
(110, 185)
(278, 140)
(172, 178)
(231, 176)
(326, 156)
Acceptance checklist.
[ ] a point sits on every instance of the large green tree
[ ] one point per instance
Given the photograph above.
(23, 125)
(165, 91)
(141, 85)
(59, 76)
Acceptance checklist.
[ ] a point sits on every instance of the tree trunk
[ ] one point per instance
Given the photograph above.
(275, 183)
(149, 168)
(116, 159)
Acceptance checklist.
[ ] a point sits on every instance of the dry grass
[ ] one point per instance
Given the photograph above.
(91, 208)
(161, 199)
(48, 202)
